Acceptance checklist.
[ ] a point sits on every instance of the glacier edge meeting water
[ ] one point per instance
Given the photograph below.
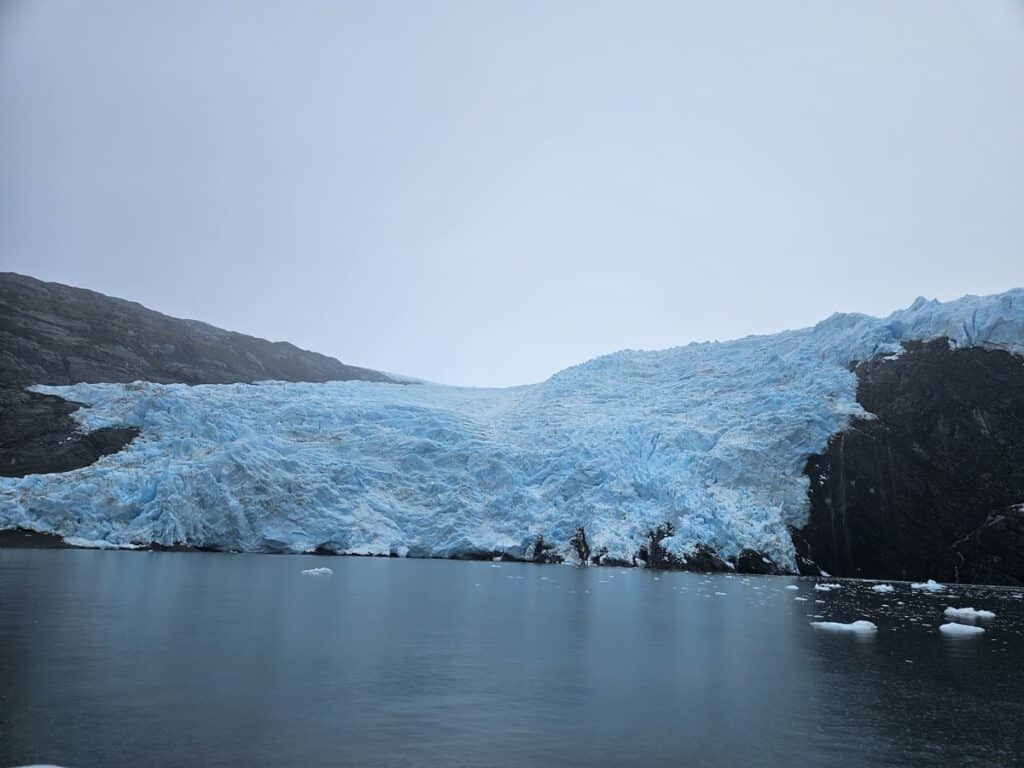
(711, 438)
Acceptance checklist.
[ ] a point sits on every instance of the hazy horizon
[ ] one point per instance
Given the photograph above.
(484, 195)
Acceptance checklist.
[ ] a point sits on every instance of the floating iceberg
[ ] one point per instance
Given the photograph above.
(318, 572)
(858, 627)
(827, 587)
(960, 630)
(710, 438)
(968, 614)
(928, 586)
(792, 586)
(882, 588)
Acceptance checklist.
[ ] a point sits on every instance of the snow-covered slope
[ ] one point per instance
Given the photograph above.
(711, 438)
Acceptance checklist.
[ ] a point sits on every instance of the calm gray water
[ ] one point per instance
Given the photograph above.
(165, 659)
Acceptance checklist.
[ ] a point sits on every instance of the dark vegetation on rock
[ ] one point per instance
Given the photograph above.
(931, 487)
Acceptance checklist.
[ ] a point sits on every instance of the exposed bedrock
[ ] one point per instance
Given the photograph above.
(38, 435)
(931, 487)
(654, 554)
(754, 562)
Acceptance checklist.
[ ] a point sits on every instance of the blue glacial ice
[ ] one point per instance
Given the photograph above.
(711, 437)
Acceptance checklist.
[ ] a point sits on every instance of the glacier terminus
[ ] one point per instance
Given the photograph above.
(707, 442)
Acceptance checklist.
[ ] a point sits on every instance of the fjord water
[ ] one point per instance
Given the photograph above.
(170, 659)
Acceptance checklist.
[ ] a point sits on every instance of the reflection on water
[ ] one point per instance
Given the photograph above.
(113, 658)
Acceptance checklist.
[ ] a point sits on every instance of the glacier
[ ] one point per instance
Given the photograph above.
(711, 438)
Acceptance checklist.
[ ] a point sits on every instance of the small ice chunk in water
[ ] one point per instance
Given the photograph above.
(826, 587)
(960, 630)
(861, 626)
(801, 599)
(792, 586)
(968, 613)
(931, 585)
(318, 572)
(882, 588)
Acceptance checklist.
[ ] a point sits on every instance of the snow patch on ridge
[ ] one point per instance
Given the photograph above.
(709, 437)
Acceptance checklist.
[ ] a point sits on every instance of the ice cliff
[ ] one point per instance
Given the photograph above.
(711, 438)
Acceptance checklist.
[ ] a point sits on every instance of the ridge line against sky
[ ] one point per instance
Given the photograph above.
(484, 195)
(407, 376)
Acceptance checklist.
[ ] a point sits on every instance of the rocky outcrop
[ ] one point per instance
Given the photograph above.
(654, 554)
(753, 562)
(580, 546)
(545, 552)
(993, 553)
(56, 334)
(928, 487)
(37, 435)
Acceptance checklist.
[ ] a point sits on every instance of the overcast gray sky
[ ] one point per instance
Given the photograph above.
(486, 192)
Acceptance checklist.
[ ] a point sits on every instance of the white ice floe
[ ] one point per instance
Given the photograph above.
(827, 587)
(882, 588)
(960, 630)
(792, 586)
(929, 586)
(712, 438)
(318, 572)
(968, 614)
(860, 627)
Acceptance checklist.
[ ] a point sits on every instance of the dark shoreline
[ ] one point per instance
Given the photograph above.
(26, 538)
(23, 538)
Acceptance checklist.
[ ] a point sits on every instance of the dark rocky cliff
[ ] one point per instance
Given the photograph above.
(56, 334)
(931, 487)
